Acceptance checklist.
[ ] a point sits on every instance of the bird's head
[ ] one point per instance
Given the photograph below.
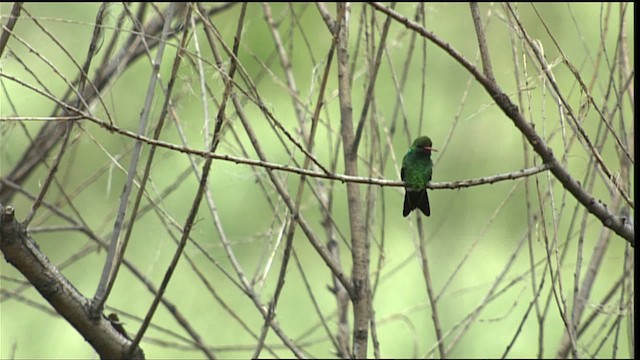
(423, 143)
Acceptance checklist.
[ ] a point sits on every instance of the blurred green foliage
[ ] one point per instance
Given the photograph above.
(483, 143)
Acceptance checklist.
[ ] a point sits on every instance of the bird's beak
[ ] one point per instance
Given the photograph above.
(430, 148)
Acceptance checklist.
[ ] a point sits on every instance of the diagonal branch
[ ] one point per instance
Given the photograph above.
(487, 69)
(11, 23)
(619, 224)
(23, 253)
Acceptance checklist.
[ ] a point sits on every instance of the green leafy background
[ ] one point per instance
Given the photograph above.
(484, 143)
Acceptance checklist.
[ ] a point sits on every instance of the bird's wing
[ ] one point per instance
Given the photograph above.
(402, 173)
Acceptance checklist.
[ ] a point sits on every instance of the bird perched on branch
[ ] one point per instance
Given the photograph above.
(417, 168)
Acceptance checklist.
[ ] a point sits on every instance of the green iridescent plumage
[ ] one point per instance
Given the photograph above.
(417, 169)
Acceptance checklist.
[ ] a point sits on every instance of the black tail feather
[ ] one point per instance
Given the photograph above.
(416, 199)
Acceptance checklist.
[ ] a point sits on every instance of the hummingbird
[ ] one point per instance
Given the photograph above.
(417, 168)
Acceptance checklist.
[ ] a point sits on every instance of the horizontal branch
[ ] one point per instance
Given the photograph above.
(40, 118)
(316, 174)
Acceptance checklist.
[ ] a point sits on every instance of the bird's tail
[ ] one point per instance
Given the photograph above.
(416, 199)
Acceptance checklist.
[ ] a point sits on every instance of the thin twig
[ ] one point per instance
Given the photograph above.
(584, 88)
(50, 176)
(567, 107)
(192, 213)
(110, 269)
(373, 76)
(293, 224)
(426, 274)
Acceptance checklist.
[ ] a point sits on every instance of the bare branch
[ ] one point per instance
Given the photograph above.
(23, 253)
(487, 69)
(360, 297)
(11, 23)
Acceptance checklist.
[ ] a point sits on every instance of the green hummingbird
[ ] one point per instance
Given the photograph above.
(417, 168)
